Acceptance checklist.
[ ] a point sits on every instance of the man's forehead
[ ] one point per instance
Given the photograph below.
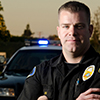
(69, 16)
(69, 12)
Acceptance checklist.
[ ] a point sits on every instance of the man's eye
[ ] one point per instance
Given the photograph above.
(79, 26)
(65, 26)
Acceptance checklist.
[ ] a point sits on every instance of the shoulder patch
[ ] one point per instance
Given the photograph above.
(32, 72)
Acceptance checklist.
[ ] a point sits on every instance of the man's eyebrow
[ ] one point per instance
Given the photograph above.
(65, 24)
(79, 24)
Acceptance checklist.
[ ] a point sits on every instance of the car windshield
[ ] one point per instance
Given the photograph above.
(25, 60)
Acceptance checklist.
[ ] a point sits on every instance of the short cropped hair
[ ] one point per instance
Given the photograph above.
(75, 6)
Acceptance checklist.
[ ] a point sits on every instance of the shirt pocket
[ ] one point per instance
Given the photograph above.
(82, 87)
(48, 91)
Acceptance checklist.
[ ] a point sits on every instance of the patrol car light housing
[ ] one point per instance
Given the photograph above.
(29, 42)
(43, 42)
(9, 92)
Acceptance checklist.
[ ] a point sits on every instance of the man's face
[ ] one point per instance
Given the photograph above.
(74, 31)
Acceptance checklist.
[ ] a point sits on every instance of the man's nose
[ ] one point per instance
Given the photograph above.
(72, 31)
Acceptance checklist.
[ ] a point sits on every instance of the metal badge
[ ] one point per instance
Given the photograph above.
(88, 72)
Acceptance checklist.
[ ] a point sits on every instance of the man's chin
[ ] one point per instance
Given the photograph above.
(73, 50)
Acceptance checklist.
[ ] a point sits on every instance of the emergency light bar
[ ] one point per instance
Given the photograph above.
(43, 42)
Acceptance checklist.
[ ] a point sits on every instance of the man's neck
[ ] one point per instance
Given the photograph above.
(74, 57)
(71, 59)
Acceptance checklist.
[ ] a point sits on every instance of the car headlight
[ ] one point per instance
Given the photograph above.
(7, 92)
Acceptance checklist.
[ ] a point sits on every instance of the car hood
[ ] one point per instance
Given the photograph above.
(11, 80)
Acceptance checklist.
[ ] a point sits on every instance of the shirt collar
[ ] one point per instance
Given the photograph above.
(89, 55)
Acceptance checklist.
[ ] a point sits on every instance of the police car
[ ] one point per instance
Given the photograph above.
(20, 64)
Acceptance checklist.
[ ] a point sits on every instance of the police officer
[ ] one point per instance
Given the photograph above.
(75, 74)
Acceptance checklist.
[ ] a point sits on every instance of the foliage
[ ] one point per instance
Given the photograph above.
(17, 39)
(4, 36)
(53, 37)
(27, 32)
(96, 32)
(4, 33)
(10, 47)
(1, 8)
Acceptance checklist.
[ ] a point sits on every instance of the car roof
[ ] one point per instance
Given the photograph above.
(49, 47)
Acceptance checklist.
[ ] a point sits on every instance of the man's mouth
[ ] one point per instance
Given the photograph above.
(73, 40)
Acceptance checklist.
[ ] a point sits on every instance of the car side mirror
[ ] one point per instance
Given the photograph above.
(2, 63)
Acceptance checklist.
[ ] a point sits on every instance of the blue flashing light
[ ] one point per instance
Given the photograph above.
(43, 42)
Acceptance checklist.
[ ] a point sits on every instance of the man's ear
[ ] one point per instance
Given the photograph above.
(91, 29)
(58, 31)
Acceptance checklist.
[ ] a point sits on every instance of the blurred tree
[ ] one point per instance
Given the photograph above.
(1, 8)
(4, 33)
(53, 37)
(17, 39)
(27, 32)
(96, 32)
